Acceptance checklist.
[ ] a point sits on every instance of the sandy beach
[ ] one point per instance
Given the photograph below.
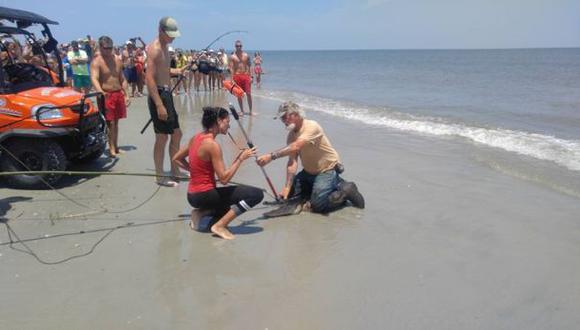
(447, 241)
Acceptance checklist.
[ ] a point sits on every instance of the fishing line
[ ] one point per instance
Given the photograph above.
(108, 231)
(223, 35)
(31, 252)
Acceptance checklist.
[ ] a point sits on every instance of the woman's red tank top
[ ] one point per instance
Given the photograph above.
(201, 172)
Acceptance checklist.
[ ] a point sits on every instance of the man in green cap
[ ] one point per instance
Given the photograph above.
(161, 108)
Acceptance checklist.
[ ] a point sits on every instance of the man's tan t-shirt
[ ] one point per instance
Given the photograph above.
(317, 155)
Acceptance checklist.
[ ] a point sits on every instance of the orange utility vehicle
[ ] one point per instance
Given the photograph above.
(43, 124)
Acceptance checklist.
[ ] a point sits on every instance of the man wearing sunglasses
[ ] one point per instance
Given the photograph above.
(240, 68)
(107, 78)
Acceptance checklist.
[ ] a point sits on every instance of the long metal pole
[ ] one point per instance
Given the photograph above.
(251, 145)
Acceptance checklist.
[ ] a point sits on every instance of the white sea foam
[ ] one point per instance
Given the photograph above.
(562, 152)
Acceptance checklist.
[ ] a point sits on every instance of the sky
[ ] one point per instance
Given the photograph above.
(322, 25)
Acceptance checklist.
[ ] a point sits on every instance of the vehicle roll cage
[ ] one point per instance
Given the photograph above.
(24, 19)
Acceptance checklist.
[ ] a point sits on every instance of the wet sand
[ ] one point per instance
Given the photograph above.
(446, 242)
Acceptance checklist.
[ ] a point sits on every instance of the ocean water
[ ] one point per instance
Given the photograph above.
(521, 102)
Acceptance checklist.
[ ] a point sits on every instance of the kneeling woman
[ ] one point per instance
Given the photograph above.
(205, 162)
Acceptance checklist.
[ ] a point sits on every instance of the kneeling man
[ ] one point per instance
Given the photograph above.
(319, 182)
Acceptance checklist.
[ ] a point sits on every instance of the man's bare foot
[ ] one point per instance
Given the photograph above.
(119, 151)
(222, 232)
(253, 113)
(196, 215)
(178, 176)
(112, 154)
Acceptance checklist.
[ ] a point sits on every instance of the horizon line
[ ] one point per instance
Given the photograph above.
(406, 49)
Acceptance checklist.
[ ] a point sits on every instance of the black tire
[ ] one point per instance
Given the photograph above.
(37, 155)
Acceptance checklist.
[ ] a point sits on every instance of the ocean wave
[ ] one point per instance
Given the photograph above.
(544, 147)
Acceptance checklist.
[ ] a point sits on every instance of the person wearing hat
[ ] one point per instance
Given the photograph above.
(129, 69)
(319, 182)
(223, 60)
(160, 100)
(68, 74)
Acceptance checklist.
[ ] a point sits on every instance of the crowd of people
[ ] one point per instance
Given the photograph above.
(121, 73)
(204, 68)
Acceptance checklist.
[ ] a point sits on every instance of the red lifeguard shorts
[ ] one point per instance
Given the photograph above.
(115, 105)
(244, 81)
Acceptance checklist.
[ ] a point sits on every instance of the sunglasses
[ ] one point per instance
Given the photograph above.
(106, 48)
(238, 46)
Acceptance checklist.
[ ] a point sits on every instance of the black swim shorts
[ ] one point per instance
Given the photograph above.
(172, 122)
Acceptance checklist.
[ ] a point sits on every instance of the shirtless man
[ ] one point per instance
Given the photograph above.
(240, 65)
(107, 78)
(130, 70)
(160, 101)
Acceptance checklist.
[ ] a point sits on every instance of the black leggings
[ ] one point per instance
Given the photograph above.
(237, 198)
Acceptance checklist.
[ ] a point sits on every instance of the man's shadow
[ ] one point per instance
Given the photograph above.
(6, 205)
(102, 164)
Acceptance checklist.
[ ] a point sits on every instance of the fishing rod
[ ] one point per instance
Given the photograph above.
(183, 76)
(251, 145)
(223, 35)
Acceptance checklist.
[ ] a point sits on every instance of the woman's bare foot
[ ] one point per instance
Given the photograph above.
(222, 232)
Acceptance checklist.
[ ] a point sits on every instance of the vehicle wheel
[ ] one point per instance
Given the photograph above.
(34, 155)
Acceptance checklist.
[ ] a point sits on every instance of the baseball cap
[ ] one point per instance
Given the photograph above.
(169, 26)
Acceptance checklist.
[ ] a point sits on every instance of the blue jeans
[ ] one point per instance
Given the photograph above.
(317, 188)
